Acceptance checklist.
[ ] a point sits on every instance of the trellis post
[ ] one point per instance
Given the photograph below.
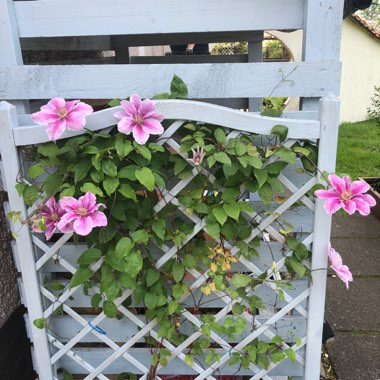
(329, 117)
(23, 244)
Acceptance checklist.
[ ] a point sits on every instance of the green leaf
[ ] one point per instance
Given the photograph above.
(276, 167)
(124, 246)
(230, 170)
(266, 193)
(80, 276)
(114, 102)
(140, 236)
(264, 361)
(220, 214)
(280, 131)
(213, 229)
(96, 163)
(222, 157)
(88, 186)
(89, 256)
(68, 192)
(81, 169)
(276, 185)
(40, 322)
(52, 183)
(110, 309)
(294, 264)
(143, 150)
(179, 166)
(145, 177)
(152, 277)
(178, 270)
(189, 359)
(95, 300)
(232, 210)
(128, 172)
(127, 281)
(240, 148)
(298, 342)
(48, 149)
(220, 136)
(134, 262)
(286, 154)
(230, 194)
(20, 188)
(189, 261)
(241, 280)
(109, 168)
(35, 171)
(301, 150)
(277, 340)
(123, 147)
(30, 195)
(159, 228)
(178, 88)
(110, 184)
(246, 207)
(255, 162)
(150, 300)
(290, 354)
(261, 176)
(127, 191)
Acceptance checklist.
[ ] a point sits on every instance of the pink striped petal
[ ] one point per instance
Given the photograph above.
(362, 206)
(99, 219)
(56, 129)
(152, 126)
(126, 125)
(136, 101)
(147, 108)
(327, 194)
(75, 121)
(83, 108)
(349, 206)
(44, 117)
(337, 182)
(83, 225)
(129, 108)
(332, 205)
(139, 135)
(69, 204)
(358, 187)
(56, 104)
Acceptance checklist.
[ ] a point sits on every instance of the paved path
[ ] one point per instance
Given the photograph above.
(354, 314)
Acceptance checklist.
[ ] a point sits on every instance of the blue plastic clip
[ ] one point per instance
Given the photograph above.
(97, 328)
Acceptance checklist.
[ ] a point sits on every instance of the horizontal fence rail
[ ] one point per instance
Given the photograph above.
(234, 80)
(29, 133)
(115, 17)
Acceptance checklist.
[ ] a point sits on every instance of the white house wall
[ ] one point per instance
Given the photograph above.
(360, 56)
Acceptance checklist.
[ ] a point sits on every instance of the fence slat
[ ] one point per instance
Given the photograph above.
(204, 80)
(96, 17)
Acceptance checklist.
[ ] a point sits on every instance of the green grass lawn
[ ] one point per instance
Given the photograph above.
(359, 149)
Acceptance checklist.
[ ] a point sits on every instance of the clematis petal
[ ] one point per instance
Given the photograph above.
(347, 183)
(361, 205)
(69, 204)
(71, 104)
(99, 219)
(56, 104)
(147, 108)
(129, 108)
(56, 129)
(358, 187)
(139, 135)
(349, 206)
(345, 275)
(119, 114)
(75, 121)
(332, 205)
(136, 101)
(83, 108)
(337, 182)
(44, 117)
(87, 201)
(49, 231)
(327, 194)
(152, 126)
(83, 225)
(126, 125)
(368, 198)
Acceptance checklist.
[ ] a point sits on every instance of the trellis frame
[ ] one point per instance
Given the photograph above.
(25, 22)
(325, 131)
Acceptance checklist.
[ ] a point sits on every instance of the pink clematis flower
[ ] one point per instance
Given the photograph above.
(198, 156)
(140, 118)
(347, 195)
(59, 115)
(341, 270)
(81, 215)
(49, 216)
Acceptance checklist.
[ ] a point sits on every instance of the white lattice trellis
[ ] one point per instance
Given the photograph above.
(98, 347)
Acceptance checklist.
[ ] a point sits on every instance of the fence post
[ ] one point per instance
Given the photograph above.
(329, 117)
(23, 243)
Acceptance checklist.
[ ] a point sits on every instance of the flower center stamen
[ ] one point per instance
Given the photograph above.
(82, 211)
(54, 216)
(62, 113)
(139, 119)
(346, 195)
